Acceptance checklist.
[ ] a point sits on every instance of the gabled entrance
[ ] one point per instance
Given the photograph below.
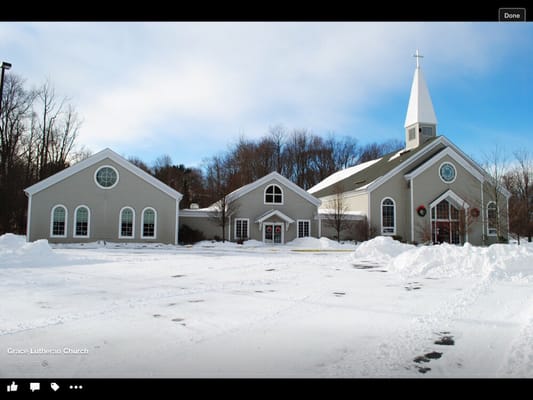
(272, 228)
(447, 219)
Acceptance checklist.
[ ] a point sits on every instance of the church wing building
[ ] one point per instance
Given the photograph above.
(430, 191)
(271, 209)
(104, 197)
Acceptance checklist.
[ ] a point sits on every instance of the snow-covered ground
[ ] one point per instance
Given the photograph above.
(313, 308)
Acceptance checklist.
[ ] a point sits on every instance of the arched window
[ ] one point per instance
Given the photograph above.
(273, 195)
(127, 223)
(82, 216)
(388, 216)
(492, 219)
(58, 226)
(149, 223)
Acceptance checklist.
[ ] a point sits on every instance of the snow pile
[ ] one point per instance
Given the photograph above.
(380, 250)
(499, 261)
(15, 252)
(323, 243)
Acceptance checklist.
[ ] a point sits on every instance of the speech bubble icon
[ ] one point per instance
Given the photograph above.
(35, 386)
(54, 386)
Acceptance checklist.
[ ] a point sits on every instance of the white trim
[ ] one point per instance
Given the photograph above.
(450, 193)
(454, 172)
(497, 216)
(155, 223)
(298, 227)
(369, 213)
(28, 219)
(120, 236)
(198, 213)
(448, 151)
(394, 215)
(482, 216)
(271, 213)
(176, 228)
(98, 183)
(266, 179)
(412, 211)
(247, 227)
(52, 222)
(274, 224)
(96, 158)
(76, 221)
(273, 194)
(319, 227)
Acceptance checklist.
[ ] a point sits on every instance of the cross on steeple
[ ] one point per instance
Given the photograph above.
(418, 57)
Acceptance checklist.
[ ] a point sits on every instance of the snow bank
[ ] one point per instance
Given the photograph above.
(380, 250)
(323, 243)
(16, 252)
(499, 261)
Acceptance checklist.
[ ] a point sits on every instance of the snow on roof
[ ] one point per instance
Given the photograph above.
(341, 175)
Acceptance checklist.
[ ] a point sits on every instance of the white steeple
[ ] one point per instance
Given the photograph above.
(420, 121)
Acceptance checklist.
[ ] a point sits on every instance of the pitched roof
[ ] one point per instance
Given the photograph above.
(361, 178)
(271, 213)
(106, 153)
(265, 179)
(420, 108)
(341, 175)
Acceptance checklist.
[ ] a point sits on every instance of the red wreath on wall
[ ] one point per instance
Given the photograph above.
(474, 212)
(421, 210)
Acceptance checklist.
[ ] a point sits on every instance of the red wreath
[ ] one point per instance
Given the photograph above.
(474, 212)
(269, 229)
(421, 210)
(278, 229)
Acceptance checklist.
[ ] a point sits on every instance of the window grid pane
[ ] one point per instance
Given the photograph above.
(273, 195)
(241, 229)
(388, 216)
(492, 216)
(58, 223)
(303, 229)
(126, 226)
(149, 223)
(82, 222)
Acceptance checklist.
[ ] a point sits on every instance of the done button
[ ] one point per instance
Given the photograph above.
(512, 14)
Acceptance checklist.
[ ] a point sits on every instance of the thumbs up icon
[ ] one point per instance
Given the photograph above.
(13, 387)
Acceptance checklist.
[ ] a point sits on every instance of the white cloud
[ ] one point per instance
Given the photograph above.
(212, 80)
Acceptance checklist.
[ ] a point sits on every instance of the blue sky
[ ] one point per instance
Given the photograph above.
(188, 89)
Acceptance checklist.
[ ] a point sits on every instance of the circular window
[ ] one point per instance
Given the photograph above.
(106, 177)
(447, 172)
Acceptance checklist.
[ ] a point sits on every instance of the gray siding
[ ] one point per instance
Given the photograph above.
(426, 188)
(104, 205)
(251, 206)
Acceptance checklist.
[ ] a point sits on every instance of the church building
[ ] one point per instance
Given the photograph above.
(428, 192)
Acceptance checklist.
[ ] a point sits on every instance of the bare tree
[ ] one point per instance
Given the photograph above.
(336, 213)
(496, 166)
(221, 214)
(518, 182)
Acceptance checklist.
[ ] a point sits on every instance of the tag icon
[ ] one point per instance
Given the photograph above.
(54, 386)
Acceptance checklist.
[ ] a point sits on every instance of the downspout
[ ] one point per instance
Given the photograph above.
(412, 213)
(28, 222)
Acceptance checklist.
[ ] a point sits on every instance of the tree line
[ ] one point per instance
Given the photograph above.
(38, 131)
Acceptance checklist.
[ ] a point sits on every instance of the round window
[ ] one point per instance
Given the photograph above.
(106, 177)
(447, 172)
